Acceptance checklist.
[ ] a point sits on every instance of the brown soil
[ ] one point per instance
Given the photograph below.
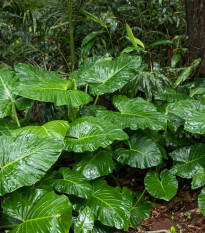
(181, 213)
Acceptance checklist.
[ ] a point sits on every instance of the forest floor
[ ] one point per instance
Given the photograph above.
(181, 214)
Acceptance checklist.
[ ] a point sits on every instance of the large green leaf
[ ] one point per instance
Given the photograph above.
(70, 182)
(55, 129)
(163, 187)
(8, 83)
(52, 90)
(108, 205)
(199, 179)
(25, 159)
(38, 210)
(201, 201)
(110, 75)
(87, 64)
(184, 108)
(188, 160)
(143, 152)
(27, 72)
(84, 222)
(90, 133)
(135, 113)
(95, 164)
(195, 122)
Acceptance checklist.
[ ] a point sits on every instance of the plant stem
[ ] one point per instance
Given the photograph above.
(96, 100)
(8, 226)
(72, 45)
(117, 182)
(14, 113)
(86, 88)
(62, 56)
(62, 112)
(139, 199)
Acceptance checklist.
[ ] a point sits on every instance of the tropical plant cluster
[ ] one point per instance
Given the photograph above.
(65, 134)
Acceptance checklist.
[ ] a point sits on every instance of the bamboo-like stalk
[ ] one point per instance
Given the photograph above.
(71, 29)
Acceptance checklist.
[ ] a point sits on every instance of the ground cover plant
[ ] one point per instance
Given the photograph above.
(65, 135)
(40, 195)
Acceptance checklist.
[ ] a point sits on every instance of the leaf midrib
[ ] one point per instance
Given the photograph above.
(119, 70)
(5, 87)
(16, 160)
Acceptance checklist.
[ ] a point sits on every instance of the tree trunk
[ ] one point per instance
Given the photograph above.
(195, 13)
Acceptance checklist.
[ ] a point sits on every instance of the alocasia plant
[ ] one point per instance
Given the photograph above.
(43, 192)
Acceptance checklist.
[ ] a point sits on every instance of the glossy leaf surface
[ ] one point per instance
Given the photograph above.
(108, 206)
(95, 164)
(90, 133)
(71, 182)
(84, 222)
(51, 90)
(38, 210)
(7, 99)
(188, 160)
(55, 129)
(163, 187)
(195, 122)
(135, 113)
(199, 179)
(111, 75)
(184, 108)
(25, 159)
(143, 152)
(27, 72)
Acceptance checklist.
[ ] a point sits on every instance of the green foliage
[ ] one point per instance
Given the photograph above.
(72, 130)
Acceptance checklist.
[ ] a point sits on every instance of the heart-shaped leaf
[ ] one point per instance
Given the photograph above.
(53, 90)
(143, 152)
(90, 133)
(135, 113)
(110, 75)
(95, 164)
(108, 205)
(199, 179)
(188, 160)
(163, 187)
(25, 159)
(84, 222)
(38, 210)
(55, 129)
(70, 182)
